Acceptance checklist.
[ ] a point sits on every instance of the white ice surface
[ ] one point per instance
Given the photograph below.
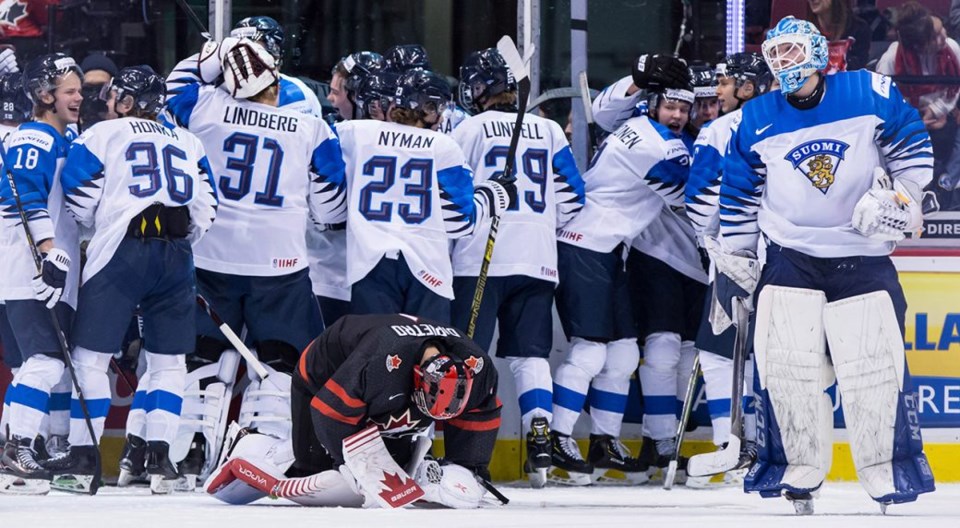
(840, 505)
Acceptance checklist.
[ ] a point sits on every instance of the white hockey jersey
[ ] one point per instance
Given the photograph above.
(271, 167)
(638, 168)
(703, 187)
(297, 96)
(796, 175)
(612, 107)
(410, 191)
(549, 190)
(119, 167)
(36, 154)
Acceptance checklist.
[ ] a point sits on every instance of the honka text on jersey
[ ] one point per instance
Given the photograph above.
(151, 127)
(235, 115)
(423, 330)
(404, 140)
(495, 129)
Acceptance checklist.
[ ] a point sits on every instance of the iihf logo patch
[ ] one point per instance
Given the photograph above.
(818, 160)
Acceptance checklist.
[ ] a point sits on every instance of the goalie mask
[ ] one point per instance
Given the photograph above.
(248, 69)
(794, 50)
(441, 386)
(263, 30)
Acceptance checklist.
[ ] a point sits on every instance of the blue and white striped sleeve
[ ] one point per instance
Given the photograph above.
(668, 177)
(744, 179)
(328, 182)
(702, 191)
(32, 168)
(902, 139)
(183, 89)
(457, 200)
(613, 106)
(82, 181)
(568, 186)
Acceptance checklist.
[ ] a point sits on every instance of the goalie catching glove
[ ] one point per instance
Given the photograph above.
(449, 485)
(886, 213)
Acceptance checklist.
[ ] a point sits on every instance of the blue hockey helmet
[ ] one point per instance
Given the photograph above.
(15, 106)
(704, 80)
(747, 66)
(264, 30)
(42, 74)
(794, 51)
(407, 56)
(359, 66)
(423, 91)
(375, 93)
(484, 74)
(144, 85)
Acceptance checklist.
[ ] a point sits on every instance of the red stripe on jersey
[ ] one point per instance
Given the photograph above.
(338, 391)
(303, 364)
(469, 425)
(330, 412)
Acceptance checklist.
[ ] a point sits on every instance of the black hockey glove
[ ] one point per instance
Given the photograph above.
(655, 72)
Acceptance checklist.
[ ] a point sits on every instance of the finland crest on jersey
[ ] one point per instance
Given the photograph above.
(819, 161)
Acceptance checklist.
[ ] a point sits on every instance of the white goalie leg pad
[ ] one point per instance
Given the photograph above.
(271, 456)
(449, 485)
(868, 355)
(266, 404)
(794, 369)
(205, 409)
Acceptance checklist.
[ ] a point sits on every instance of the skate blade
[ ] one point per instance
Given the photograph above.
(127, 478)
(161, 486)
(567, 478)
(614, 477)
(803, 507)
(186, 483)
(14, 485)
(72, 483)
(538, 478)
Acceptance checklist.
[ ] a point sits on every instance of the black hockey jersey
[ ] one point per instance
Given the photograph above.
(360, 371)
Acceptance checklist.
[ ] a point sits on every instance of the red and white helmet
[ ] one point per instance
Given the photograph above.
(248, 69)
(441, 386)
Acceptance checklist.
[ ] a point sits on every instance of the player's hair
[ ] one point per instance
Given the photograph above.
(341, 70)
(501, 99)
(914, 26)
(406, 116)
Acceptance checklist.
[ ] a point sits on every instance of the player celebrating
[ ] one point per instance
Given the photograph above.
(144, 215)
(623, 99)
(411, 192)
(273, 167)
(523, 272)
(399, 374)
(34, 160)
(742, 76)
(831, 219)
(705, 104)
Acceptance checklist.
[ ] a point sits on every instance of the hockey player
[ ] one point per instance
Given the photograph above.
(34, 160)
(348, 74)
(411, 192)
(741, 76)
(400, 374)
(705, 105)
(272, 167)
(518, 296)
(146, 193)
(622, 100)
(642, 165)
(834, 143)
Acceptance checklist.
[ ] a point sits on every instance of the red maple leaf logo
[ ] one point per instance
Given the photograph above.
(393, 362)
(398, 424)
(474, 363)
(398, 491)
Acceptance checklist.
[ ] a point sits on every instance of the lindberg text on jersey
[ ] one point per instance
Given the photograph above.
(236, 115)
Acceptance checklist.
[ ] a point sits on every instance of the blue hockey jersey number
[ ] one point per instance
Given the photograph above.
(535, 166)
(419, 171)
(178, 183)
(246, 146)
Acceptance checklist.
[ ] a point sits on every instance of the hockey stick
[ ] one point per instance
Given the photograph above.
(514, 61)
(588, 111)
(237, 343)
(727, 458)
(195, 19)
(682, 425)
(61, 337)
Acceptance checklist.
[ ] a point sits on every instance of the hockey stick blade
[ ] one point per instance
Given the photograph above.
(508, 50)
(706, 464)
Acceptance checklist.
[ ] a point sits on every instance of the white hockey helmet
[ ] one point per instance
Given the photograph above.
(248, 69)
(794, 50)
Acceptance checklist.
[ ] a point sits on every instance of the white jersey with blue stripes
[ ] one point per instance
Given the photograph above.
(549, 189)
(638, 169)
(612, 107)
(703, 186)
(796, 175)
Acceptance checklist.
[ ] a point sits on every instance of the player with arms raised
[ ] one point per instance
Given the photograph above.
(810, 167)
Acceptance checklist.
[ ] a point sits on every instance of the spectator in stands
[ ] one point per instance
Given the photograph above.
(848, 35)
(23, 24)
(954, 18)
(923, 48)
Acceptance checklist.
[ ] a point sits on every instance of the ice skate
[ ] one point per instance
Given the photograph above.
(566, 457)
(190, 467)
(20, 473)
(74, 470)
(162, 471)
(132, 462)
(612, 462)
(539, 446)
(802, 502)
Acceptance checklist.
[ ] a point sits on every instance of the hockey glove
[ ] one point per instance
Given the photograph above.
(737, 276)
(449, 484)
(8, 61)
(210, 61)
(654, 72)
(501, 194)
(48, 285)
(887, 214)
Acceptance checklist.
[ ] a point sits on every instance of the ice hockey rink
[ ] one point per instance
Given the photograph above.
(840, 505)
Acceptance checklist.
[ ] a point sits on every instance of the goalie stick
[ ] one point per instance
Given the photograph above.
(588, 112)
(508, 50)
(64, 348)
(235, 340)
(682, 425)
(728, 458)
(195, 19)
